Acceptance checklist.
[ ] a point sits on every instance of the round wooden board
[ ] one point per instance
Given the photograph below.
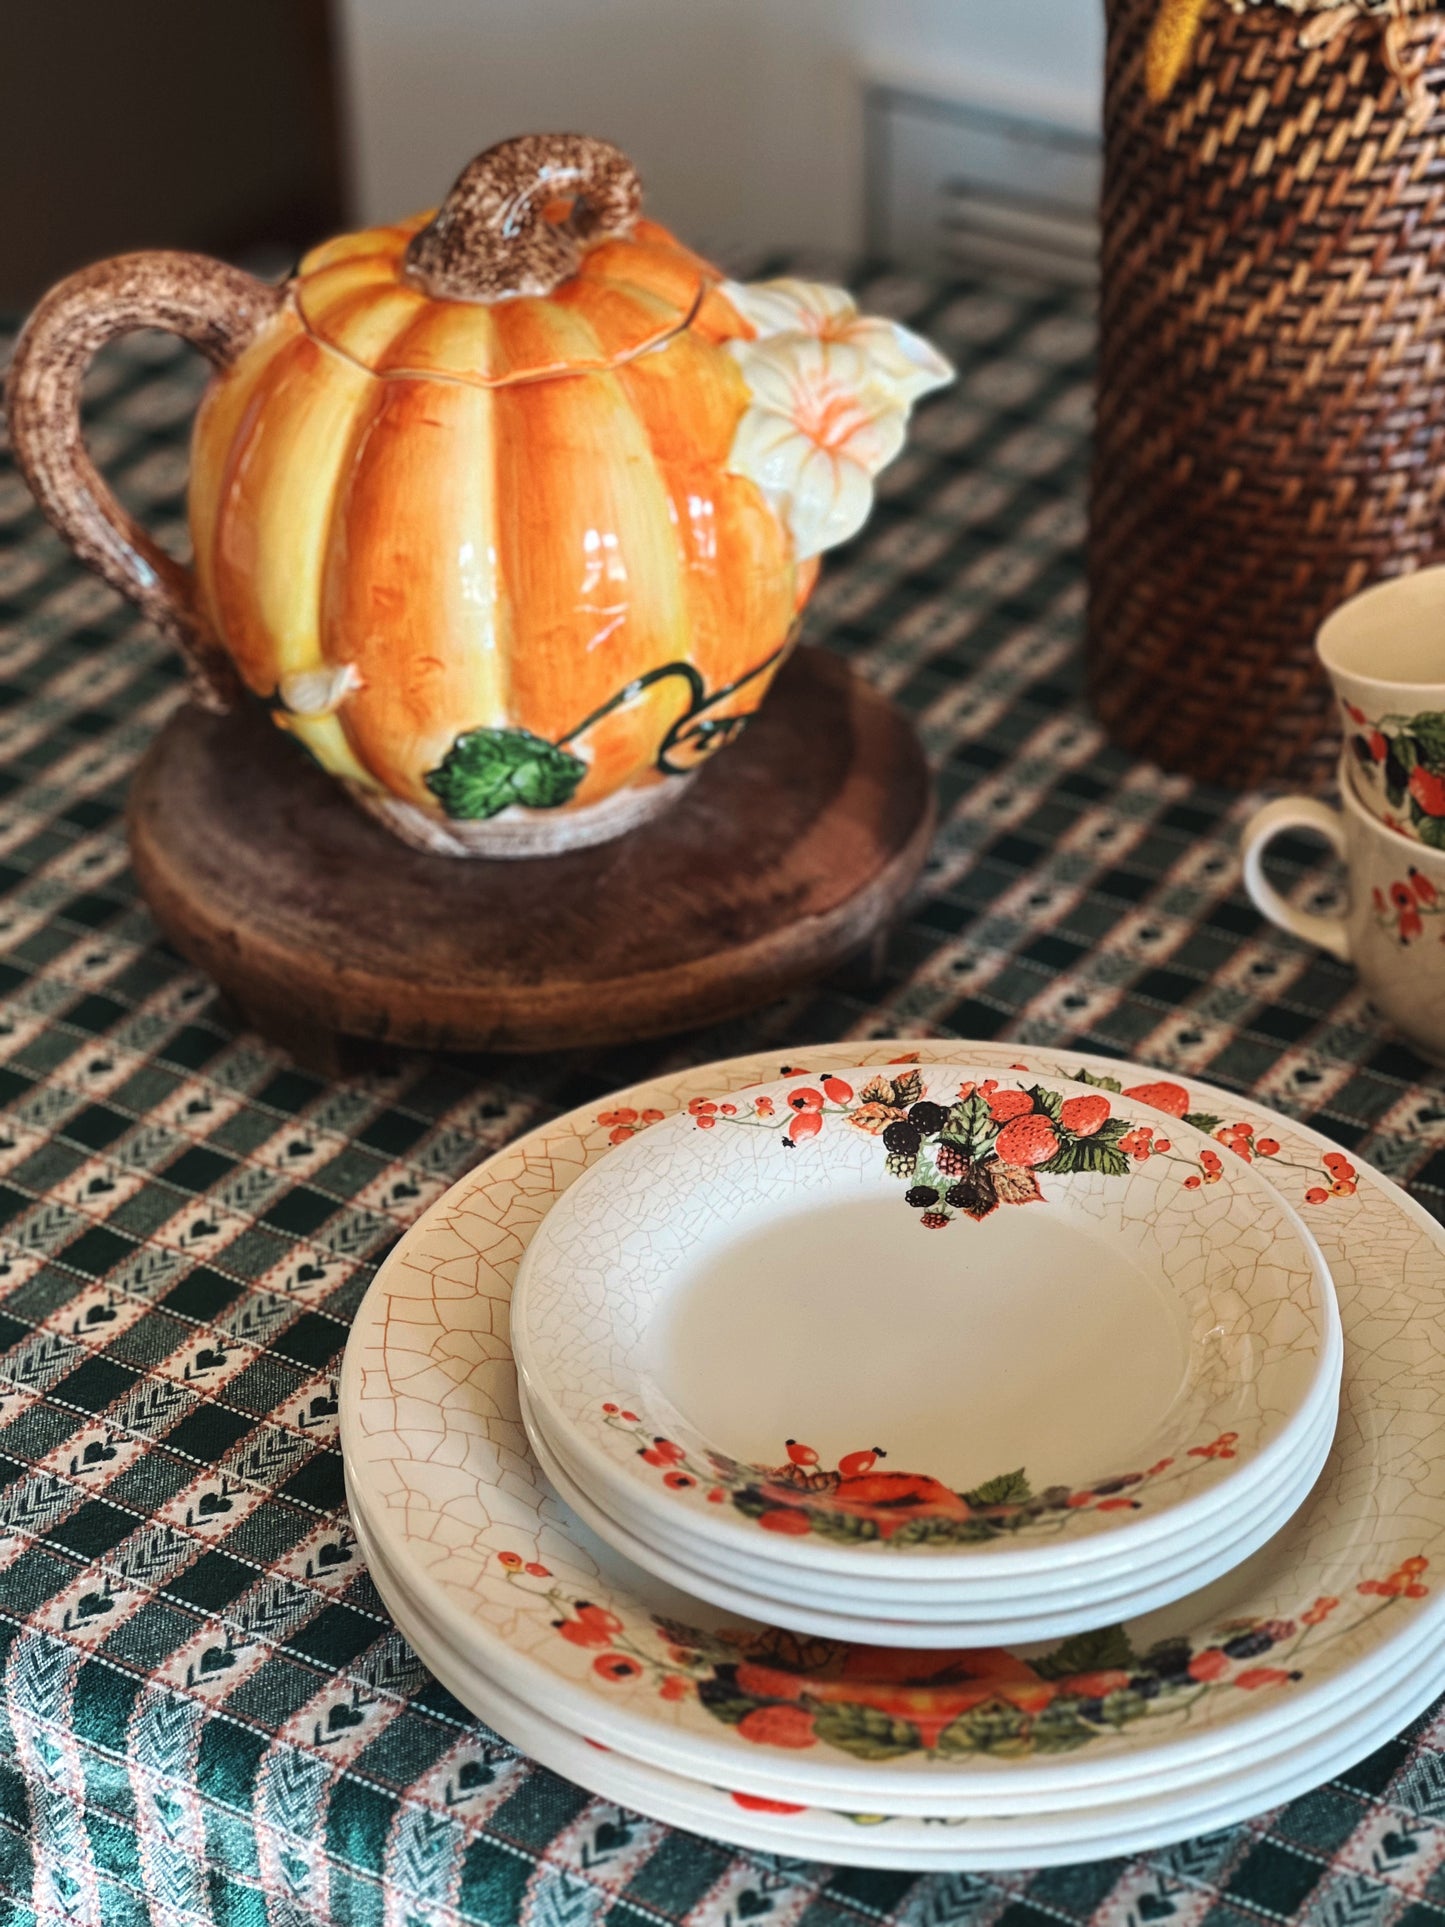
(788, 853)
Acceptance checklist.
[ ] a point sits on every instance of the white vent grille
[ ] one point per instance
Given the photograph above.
(959, 185)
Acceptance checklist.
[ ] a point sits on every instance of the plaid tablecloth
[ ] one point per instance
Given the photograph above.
(187, 1223)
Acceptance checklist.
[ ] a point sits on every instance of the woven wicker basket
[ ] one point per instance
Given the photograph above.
(1271, 423)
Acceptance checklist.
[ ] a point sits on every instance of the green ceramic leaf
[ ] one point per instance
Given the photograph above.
(1202, 1121)
(1102, 1650)
(1009, 1488)
(487, 770)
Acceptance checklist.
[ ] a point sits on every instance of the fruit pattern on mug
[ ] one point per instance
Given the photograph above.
(863, 1500)
(1405, 906)
(1406, 756)
(786, 1692)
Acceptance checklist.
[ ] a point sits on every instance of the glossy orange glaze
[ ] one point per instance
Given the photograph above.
(512, 515)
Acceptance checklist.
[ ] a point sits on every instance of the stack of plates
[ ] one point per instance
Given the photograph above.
(933, 1464)
(838, 1377)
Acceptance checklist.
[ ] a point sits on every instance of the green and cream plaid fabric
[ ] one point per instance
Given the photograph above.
(205, 1715)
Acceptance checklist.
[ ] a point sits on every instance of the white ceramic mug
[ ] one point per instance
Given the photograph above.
(1393, 928)
(1384, 651)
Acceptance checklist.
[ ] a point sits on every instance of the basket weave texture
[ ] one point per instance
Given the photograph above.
(1271, 417)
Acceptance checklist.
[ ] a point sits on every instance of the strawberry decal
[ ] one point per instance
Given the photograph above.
(1028, 1141)
(1083, 1116)
(986, 1148)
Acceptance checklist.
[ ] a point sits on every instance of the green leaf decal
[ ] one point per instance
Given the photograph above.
(946, 1532)
(863, 1731)
(1428, 731)
(1431, 830)
(1202, 1121)
(487, 770)
(1083, 1076)
(730, 1708)
(995, 1728)
(1088, 1154)
(1009, 1488)
(1105, 1649)
(970, 1125)
(1051, 1103)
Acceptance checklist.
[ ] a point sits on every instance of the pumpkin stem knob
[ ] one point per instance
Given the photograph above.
(497, 234)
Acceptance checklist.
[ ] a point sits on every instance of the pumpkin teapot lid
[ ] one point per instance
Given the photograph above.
(538, 262)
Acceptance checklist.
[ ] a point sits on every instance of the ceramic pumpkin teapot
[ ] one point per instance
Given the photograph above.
(507, 512)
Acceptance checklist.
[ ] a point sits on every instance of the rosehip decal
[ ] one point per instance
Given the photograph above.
(1404, 908)
(865, 1497)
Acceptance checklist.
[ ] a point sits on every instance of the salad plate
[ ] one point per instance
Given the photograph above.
(836, 1613)
(928, 1596)
(1058, 1325)
(1120, 1822)
(436, 1453)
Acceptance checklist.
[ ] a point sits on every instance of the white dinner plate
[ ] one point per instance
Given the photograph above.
(1132, 1823)
(1034, 1618)
(1068, 1327)
(435, 1447)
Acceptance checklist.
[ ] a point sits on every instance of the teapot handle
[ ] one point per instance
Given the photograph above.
(219, 310)
(495, 235)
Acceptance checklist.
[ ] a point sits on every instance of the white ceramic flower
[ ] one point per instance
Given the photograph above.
(816, 432)
(830, 393)
(894, 352)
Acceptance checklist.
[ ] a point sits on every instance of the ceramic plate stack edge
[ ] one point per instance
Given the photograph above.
(1280, 1673)
(954, 1842)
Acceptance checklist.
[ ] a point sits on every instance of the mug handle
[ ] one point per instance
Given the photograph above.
(1293, 813)
(219, 310)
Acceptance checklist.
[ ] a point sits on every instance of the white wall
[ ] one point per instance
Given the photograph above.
(742, 115)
